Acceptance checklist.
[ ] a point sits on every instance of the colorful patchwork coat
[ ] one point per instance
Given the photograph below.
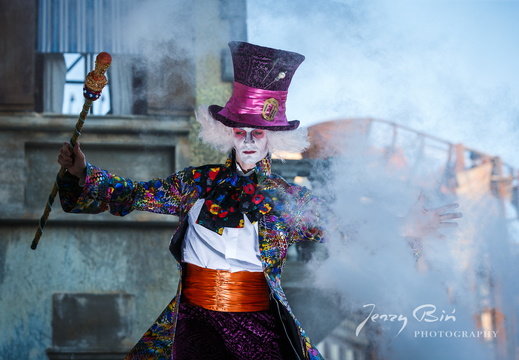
(290, 215)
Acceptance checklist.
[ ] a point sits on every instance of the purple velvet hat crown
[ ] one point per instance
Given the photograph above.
(261, 79)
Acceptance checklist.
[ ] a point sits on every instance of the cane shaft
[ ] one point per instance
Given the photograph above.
(80, 122)
(94, 83)
(52, 196)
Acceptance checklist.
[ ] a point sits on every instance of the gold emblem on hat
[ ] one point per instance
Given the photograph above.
(270, 109)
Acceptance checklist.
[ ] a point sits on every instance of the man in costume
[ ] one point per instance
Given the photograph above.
(237, 221)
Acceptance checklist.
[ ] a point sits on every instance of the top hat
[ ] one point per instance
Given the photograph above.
(261, 79)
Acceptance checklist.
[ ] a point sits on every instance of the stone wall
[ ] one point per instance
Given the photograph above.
(82, 254)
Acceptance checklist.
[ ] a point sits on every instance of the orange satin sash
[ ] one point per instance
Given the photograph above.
(222, 290)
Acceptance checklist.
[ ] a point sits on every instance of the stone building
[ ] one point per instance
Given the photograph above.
(95, 283)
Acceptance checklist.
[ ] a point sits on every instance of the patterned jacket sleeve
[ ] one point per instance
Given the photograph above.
(104, 191)
(310, 216)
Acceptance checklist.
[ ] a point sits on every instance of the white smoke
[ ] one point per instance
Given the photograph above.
(375, 269)
(446, 68)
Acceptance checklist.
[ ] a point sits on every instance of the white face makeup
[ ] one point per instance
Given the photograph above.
(250, 145)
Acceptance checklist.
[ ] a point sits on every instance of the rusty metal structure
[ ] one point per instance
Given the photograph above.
(452, 169)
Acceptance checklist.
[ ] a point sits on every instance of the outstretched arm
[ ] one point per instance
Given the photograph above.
(88, 189)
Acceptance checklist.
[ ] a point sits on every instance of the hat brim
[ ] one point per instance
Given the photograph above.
(215, 109)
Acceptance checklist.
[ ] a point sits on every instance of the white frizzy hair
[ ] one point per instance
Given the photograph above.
(213, 132)
(280, 142)
(220, 137)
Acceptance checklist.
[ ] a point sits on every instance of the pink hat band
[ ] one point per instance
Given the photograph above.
(256, 107)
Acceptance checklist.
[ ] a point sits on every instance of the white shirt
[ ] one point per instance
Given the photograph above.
(237, 249)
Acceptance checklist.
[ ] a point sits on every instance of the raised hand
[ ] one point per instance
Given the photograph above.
(422, 222)
(73, 160)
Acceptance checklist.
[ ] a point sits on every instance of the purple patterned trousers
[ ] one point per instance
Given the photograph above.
(203, 334)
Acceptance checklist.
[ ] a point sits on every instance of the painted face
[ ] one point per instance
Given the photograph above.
(250, 145)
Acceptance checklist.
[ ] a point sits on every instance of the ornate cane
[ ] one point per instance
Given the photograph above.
(94, 83)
